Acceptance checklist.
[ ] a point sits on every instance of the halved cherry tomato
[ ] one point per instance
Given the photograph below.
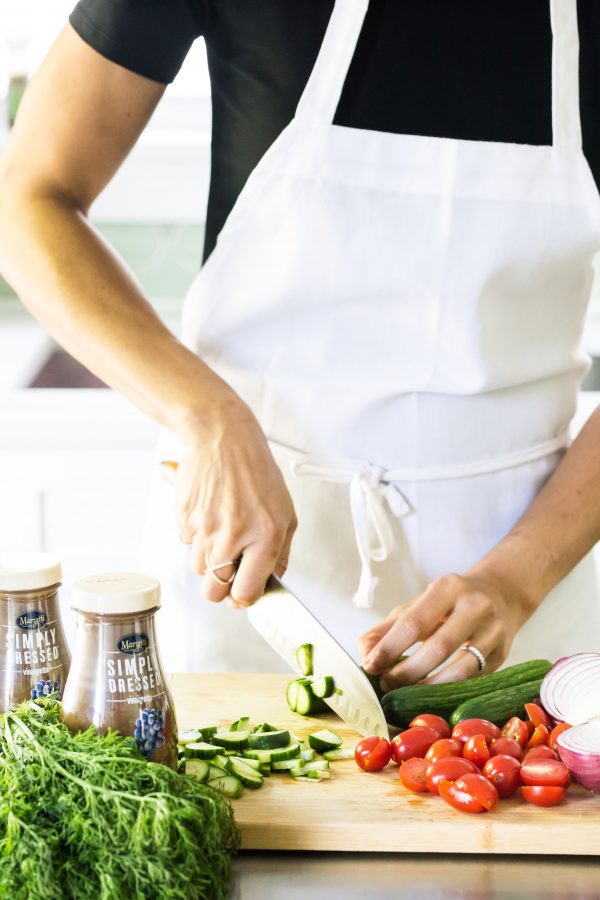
(540, 736)
(504, 773)
(373, 754)
(430, 721)
(412, 774)
(459, 799)
(558, 729)
(504, 746)
(462, 731)
(541, 752)
(476, 750)
(517, 730)
(542, 795)
(470, 793)
(413, 742)
(442, 749)
(537, 715)
(542, 772)
(448, 769)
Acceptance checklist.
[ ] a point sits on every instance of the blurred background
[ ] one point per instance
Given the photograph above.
(75, 458)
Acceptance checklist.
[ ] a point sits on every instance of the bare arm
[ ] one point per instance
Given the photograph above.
(488, 604)
(79, 118)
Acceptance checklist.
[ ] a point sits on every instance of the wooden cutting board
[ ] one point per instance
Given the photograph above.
(358, 811)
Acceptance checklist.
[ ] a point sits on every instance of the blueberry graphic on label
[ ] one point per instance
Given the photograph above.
(44, 688)
(148, 734)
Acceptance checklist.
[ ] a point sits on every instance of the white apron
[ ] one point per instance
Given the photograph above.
(403, 314)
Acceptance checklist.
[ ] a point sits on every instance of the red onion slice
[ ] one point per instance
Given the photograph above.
(570, 692)
(579, 749)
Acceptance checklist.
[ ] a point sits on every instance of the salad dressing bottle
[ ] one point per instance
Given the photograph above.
(34, 654)
(116, 679)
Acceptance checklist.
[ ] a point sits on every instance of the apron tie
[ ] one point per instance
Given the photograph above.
(370, 492)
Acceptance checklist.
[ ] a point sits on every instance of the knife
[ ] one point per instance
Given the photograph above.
(285, 623)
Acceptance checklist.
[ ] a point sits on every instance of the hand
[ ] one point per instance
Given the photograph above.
(232, 504)
(454, 610)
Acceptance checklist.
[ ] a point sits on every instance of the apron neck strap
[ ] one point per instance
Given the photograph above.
(323, 90)
(566, 122)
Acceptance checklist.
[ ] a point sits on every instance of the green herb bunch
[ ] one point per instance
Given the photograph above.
(85, 815)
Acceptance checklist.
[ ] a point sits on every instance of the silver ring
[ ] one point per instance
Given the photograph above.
(213, 569)
(476, 653)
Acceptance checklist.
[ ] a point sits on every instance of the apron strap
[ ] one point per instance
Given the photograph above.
(323, 90)
(566, 121)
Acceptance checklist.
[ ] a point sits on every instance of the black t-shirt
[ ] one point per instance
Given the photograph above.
(465, 69)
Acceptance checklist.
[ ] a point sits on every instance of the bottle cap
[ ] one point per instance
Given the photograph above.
(29, 571)
(116, 593)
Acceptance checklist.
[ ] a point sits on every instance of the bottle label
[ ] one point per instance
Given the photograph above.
(132, 671)
(30, 619)
(32, 644)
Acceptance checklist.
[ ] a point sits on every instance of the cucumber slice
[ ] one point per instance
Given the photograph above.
(215, 771)
(304, 658)
(219, 760)
(318, 765)
(249, 777)
(189, 737)
(268, 740)
(208, 732)
(286, 765)
(306, 702)
(264, 726)
(253, 763)
(308, 755)
(306, 778)
(241, 724)
(181, 766)
(323, 686)
(263, 756)
(292, 751)
(265, 769)
(198, 769)
(319, 774)
(200, 750)
(324, 740)
(342, 753)
(228, 785)
(232, 740)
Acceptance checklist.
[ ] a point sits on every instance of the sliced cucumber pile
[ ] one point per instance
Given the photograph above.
(232, 758)
(306, 695)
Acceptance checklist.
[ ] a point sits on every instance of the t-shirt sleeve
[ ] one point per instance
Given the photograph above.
(149, 37)
(589, 81)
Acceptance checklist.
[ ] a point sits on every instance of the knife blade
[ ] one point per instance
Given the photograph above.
(285, 623)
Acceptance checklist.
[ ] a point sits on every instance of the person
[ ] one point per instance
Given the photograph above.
(380, 356)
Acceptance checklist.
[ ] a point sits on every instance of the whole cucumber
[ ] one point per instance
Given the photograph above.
(498, 706)
(403, 704)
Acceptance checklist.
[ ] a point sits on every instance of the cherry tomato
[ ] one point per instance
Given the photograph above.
(541, 752)
(448, 769)
(476, 750)
(373, 754)
(412, 774)
(430, 721)
(517, 730)
(468, 727)
(542, 795)
(542, 772)
(540, 736)
(537, 715)
(442, 749)
(558, 729)
(504, 773)
(413, 742)
(470, 793)
(504, 746)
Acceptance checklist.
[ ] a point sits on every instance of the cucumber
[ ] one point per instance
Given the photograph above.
(208, 731)
(304, 658)
(323, 687)
(342, 753)
(401, 705)
(241, 724)
(322, 741)
(265, 769)
(308, 755)
(498, 706)
(215, 771)
(268, 740)
(292, 751)
(263, 756)
(189, 737)
(249, 777)
(181, 766)
(285, 765)
(197, 768)
(200, 750)
(253, 763)
(228, 785)
(301, 699)
(232, 740)
(264, 726)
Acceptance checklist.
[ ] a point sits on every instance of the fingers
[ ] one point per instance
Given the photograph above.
(367, 641)
(466, 665)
